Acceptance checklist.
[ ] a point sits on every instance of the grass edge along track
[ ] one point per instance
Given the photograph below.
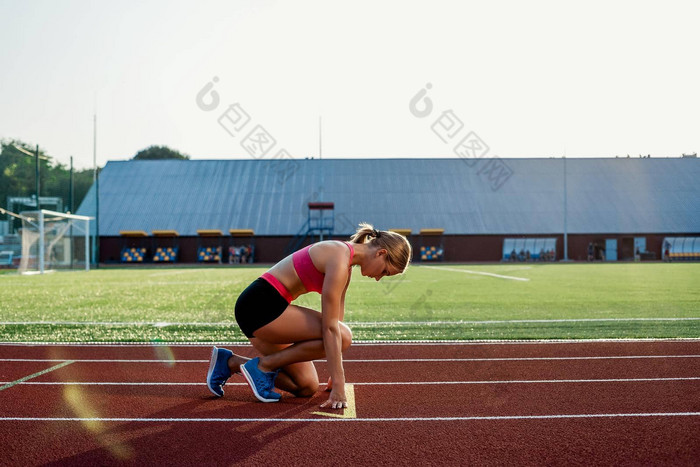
(442, 302)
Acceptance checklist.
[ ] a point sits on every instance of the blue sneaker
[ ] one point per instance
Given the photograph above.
(260, 382)
(218, 370)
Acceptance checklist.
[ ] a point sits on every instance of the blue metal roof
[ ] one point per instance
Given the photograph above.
(488, 196)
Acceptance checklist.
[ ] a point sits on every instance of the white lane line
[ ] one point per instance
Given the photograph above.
(533, 381)
(375, 343)
(117, 383)
(101, 360)
(371, 420)
(510, 321)
(115, 323)
(514, 359)
(393, 383)
(479, 273)
(161, 324)
(377, 360)
(35, 375)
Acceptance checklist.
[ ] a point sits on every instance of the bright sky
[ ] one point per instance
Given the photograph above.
(529, 79)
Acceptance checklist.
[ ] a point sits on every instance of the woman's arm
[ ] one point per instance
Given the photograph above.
(334, 284)
(342, 297)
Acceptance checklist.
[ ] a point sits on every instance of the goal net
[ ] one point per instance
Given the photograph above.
(54, 240)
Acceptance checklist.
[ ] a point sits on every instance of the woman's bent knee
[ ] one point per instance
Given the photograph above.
(304, 379)
(306, 387)
(307, 390)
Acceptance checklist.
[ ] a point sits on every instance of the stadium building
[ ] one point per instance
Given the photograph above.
(451, 209)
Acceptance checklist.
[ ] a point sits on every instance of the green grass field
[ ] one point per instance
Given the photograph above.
(558, 301)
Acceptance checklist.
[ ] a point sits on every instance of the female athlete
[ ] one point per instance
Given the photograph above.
(289, 336)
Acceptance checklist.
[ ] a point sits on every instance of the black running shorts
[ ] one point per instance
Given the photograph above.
(258, 305)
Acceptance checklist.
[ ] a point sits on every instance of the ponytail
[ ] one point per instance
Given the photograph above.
(398, 248)
(364, 232)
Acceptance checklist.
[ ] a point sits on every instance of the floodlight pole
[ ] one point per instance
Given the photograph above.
(87, 245)
(41, 242)
(566, 243)
(70, 188)
(37, 180)
(96, 181)
(70, 209)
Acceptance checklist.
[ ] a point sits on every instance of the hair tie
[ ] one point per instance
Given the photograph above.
(376, 233)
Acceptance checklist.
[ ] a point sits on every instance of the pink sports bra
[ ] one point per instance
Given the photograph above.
(311, 278)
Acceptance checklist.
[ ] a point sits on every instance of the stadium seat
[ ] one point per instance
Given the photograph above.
(431, 253)
(209, 254)
(133, 255)
(165, 255)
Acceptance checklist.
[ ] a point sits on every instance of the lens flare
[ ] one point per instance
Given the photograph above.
(164, 353)
(78, 402)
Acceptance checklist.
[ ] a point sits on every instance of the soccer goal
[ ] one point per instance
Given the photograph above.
(54, 240)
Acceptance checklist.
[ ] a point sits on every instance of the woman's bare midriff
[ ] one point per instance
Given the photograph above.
(285, 273)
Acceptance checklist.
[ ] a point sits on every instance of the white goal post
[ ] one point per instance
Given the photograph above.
(49, 241)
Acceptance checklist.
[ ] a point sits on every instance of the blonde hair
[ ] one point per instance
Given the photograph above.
(398, 248)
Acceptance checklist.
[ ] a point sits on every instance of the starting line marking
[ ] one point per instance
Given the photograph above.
(43, 372)
(343, 419)
(349, 411)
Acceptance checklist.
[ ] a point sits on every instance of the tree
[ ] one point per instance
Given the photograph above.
(159, 152)
(17, 172)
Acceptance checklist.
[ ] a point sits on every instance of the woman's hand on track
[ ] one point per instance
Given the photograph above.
(336, 400)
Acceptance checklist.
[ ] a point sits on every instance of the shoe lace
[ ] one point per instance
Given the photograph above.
(273, 377)
(266, 380)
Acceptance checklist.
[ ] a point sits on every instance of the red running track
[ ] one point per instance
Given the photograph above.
(529, 404)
